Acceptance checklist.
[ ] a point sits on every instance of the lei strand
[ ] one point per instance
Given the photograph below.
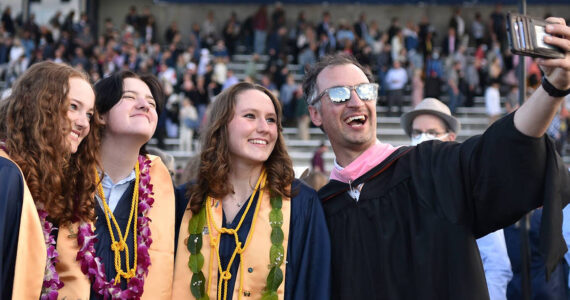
(51, 283)
(196, 259)
(91, 264)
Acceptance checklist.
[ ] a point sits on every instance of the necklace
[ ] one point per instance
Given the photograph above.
(91, 264)
(196, 259)
(121, 245)
(51, 283)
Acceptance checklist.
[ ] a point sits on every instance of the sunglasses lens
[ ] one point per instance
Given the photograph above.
(339, 94)
(367, 91)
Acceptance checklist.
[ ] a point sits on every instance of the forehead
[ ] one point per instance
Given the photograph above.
(80, 89)
(347, 74)
(135, 85)
(428, 121)
(254, 100)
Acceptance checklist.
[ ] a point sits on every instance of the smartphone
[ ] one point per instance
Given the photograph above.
(526, 37)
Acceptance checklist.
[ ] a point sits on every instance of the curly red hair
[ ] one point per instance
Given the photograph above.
(215, 161)
(34, 126)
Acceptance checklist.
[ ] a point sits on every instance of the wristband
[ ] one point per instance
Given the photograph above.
(552, 90)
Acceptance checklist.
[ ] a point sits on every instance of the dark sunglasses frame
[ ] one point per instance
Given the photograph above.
(351, 88)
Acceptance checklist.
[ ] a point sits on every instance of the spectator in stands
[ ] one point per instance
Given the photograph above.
(287, 97)
(498, 25)
(471, 80)
(361, 27)
(48, 150)
(231, 79)
(7, 21)
(432, 120)
(417, 87)
(478, 29)
(242, 145)
(396, 79)
(189, 124)
(317, 162)
(454, 78)
(493, 101)
(260, 27)
(457, 23)
(450, 42)
(325, 31)
(428, 203)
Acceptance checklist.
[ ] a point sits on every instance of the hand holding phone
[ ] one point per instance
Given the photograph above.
(526, 37)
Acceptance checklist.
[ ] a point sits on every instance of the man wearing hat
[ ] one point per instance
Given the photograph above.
(432, 120)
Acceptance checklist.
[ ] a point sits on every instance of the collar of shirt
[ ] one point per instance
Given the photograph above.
(114, 191)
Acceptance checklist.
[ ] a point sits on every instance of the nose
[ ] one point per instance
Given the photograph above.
(262, 125)
(354, 100)
(143, 104)
(82, 122)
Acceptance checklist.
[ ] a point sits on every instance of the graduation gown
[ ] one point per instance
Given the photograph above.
(158, 282)
(22, 246)
(307, 271)
(412, 233)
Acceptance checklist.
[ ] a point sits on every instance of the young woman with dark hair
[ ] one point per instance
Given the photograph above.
(130, 252)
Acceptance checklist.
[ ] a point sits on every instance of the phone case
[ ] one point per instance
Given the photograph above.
(526, 37)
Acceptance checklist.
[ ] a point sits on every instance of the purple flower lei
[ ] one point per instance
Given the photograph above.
(91, 264)
(51, 282)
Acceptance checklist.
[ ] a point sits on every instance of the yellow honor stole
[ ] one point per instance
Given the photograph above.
(256, 254)
(158, 283)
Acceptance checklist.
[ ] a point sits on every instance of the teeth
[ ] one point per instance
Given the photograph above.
(362, 118)
(75, 134)
(261, 142)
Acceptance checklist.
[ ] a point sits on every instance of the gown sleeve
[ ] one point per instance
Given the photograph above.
(490, 181)
(308, 255)
(11, 199)
(180, 204)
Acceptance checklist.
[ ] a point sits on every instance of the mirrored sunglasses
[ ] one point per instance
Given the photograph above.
(340, 94)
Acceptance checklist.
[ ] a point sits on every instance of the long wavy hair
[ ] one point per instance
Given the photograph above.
(215, 159)
(34, 127)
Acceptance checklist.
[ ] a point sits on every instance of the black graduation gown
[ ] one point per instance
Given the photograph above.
(307, 273)
(11, 200)
(103, 244)
(412, 233)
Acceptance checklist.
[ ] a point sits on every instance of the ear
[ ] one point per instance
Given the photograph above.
(103, 119)
(315, 116)
(451, 136)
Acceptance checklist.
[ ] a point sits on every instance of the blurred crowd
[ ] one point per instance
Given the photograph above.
(412, 60)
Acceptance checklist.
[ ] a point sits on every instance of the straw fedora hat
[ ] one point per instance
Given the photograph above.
(430, 106)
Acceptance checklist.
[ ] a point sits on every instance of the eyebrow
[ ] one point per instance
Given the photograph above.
(146, 96)
(250, 109)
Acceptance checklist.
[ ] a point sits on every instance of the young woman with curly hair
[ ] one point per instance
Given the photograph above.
(129, 254)
(247, 215)
(48, 147)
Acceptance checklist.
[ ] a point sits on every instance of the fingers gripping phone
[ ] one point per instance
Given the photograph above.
(526, 37)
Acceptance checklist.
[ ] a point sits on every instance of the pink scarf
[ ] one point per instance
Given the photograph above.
(364, 163)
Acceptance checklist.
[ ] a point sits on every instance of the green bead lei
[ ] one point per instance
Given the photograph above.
(276, 253)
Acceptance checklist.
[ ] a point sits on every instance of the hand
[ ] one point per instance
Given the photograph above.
(557, 71)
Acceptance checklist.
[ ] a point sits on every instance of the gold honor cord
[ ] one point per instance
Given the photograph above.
(225, 276)
(121, 245)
